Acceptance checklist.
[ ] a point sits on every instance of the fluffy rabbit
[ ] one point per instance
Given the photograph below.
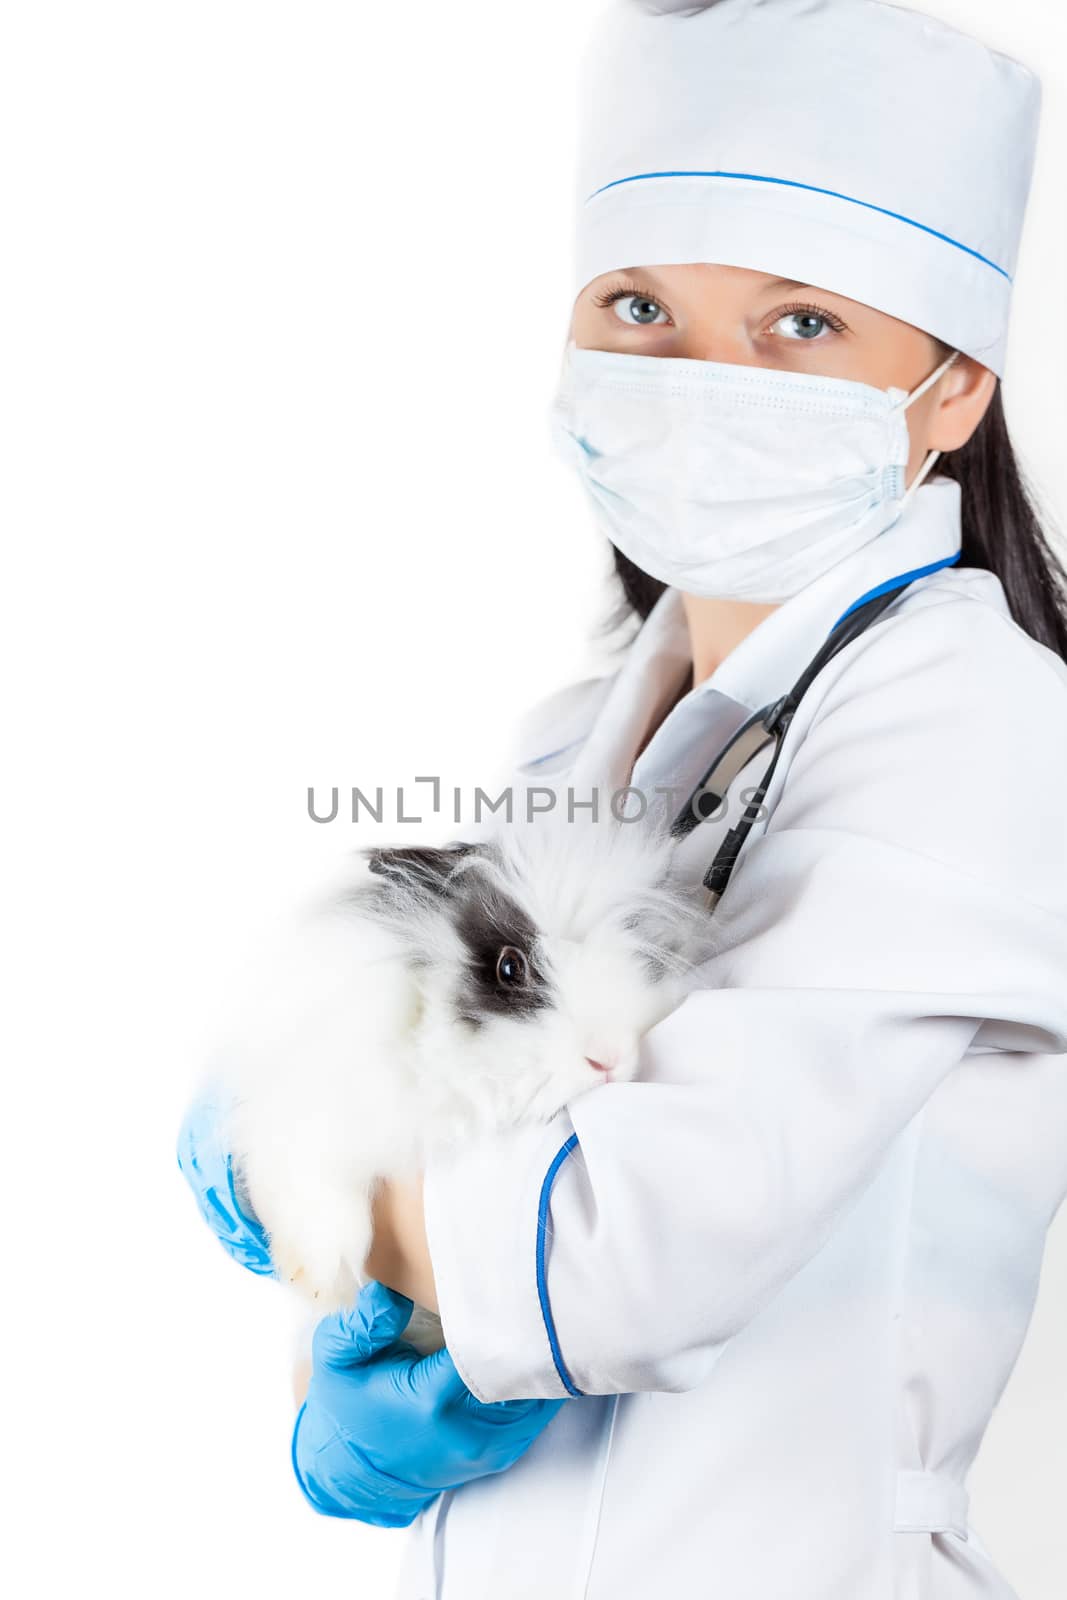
(439, 994)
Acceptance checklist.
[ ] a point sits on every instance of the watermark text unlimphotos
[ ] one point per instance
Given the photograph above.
(428, 797)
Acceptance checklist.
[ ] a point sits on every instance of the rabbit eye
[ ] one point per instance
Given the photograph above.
(511, 967)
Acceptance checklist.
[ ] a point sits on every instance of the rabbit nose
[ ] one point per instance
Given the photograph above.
(601, 1066)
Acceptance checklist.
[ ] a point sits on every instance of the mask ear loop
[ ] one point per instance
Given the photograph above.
(921, 476)
(929, 382)
(933, 456)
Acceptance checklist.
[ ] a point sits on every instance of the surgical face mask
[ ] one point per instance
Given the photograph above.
(740, 482)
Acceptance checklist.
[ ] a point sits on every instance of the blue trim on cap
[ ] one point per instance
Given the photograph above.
(898, 583)
(542, 1279)
(812, 188)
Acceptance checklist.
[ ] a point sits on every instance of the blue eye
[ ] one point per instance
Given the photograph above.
(806, 323)
(634, 308)
(639, 310)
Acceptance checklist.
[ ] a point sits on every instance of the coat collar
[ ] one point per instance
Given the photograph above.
(763, 666)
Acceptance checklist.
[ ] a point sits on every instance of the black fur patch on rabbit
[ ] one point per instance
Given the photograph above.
(488, 922)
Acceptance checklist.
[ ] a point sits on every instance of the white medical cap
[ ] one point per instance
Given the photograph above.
(850, 144)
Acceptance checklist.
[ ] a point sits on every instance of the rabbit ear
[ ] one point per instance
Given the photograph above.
(419, 867)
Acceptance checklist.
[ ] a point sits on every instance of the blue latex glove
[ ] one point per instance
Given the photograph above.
(208, 1169)
(382, 1431)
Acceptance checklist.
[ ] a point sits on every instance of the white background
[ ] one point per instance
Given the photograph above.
(286, 287)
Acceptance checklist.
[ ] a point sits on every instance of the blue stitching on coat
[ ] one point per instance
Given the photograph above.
(898, 583)
(834, 194)
(542, 1283)
(537, 760)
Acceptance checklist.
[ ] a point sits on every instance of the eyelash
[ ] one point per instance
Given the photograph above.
(607, 297)
(796, 309)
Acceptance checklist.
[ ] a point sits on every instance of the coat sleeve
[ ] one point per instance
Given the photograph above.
(905, 905)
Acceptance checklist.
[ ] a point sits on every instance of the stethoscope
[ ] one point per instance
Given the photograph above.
(770, 725)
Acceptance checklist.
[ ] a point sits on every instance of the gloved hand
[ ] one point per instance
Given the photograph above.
(208, 1169)
(382, 1431)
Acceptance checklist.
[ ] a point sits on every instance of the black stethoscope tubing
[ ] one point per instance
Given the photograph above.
(762, 728)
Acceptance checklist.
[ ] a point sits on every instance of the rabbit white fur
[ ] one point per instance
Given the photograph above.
(395, 1022)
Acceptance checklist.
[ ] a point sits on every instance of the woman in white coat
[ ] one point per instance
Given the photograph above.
(782, 1279)
(785, 1276)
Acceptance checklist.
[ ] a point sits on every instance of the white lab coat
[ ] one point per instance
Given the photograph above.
(791, 1268)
